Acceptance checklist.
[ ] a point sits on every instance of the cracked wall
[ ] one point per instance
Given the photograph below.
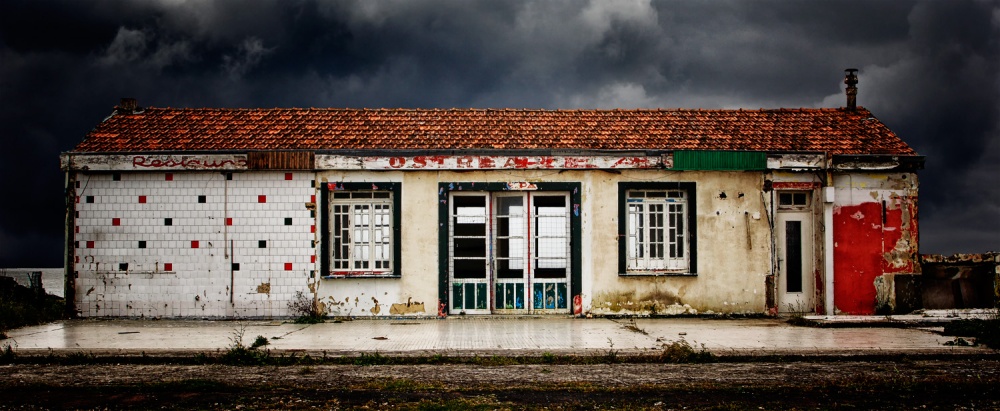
(875, 239)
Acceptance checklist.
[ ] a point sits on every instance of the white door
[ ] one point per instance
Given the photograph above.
(796, 270)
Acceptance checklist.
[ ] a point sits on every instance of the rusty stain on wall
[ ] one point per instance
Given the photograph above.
(409, 307)
(377, 308)
(654, 302)
(264, 288)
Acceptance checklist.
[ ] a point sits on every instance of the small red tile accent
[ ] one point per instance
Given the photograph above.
(90, 244)
(169, 177)
(194, 244)
(116, 221)
(77, 259)
(312, 259)
(229, 221)
(76, 229)
(168, 267)
(312, 229)
(312, 198)
(78, 200)
(288, 266)
(288, 176)
(142, 199)
(261, 199)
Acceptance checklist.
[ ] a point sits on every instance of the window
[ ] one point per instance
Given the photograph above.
(656, 228)
(793, 200)
(361, 226)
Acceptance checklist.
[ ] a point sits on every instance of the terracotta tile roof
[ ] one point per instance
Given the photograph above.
(835, 131)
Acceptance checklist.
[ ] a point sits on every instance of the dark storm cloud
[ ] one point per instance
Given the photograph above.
(928, 69)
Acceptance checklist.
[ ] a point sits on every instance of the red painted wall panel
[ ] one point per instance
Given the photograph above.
(857, 260)
(865, 249)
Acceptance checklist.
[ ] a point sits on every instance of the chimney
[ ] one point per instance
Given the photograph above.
(127, 106)
(851, 79)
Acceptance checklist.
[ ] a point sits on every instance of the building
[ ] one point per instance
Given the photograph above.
(398, 212)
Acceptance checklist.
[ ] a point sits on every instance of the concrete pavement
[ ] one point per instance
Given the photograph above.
(479, 336)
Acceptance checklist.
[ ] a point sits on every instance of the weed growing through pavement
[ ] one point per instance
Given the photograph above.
(631, 326)
(681, 351)
(548, 358)
(372, 359)
(309, 311)
(611, 356)
(240, 354)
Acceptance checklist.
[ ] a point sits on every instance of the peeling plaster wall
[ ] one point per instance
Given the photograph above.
(875, 235)
(733, 244)
(731, 270)
(732, 266)
(415, 292)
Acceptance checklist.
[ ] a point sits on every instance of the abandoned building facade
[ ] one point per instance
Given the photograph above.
(403, 212)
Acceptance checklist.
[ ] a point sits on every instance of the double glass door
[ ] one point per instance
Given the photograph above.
(509, 252)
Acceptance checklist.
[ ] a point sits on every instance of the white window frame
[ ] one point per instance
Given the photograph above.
(369, 217)
(657, 232)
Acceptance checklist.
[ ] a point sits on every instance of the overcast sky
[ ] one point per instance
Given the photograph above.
(929, 70)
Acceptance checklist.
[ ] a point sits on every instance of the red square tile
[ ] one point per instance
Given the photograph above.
(194, 244)
(261, 199)
(90, 244)
(288, 176)
(288, 266)
(312, 229)
(312, 198)
(142, 199)
(116, 221)
(169, 176)
(229, 221)
(168, 267)
(312, 259)
(76, 229)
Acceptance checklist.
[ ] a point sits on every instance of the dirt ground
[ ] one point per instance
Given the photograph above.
(954, 384)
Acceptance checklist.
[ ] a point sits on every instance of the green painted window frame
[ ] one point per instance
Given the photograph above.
(445, 188)
(692, 226)
(325, 236)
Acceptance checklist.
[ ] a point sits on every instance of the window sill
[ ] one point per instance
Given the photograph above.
(360, 275)
(657, 274)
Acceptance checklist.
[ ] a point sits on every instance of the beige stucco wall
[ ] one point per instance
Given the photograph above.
(733, 249)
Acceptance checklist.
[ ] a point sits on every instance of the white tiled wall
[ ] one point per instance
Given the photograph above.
(184, 269)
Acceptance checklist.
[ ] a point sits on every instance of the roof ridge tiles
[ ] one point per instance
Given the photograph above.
(835, 130)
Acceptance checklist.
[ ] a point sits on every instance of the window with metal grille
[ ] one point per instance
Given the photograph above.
(656, 229)
(657, 237)
(361, 228)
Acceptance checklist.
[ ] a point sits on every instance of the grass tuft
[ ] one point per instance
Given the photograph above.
(681, 352)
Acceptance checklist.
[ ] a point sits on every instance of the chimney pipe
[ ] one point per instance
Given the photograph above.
(851, 79)
(127, 106)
